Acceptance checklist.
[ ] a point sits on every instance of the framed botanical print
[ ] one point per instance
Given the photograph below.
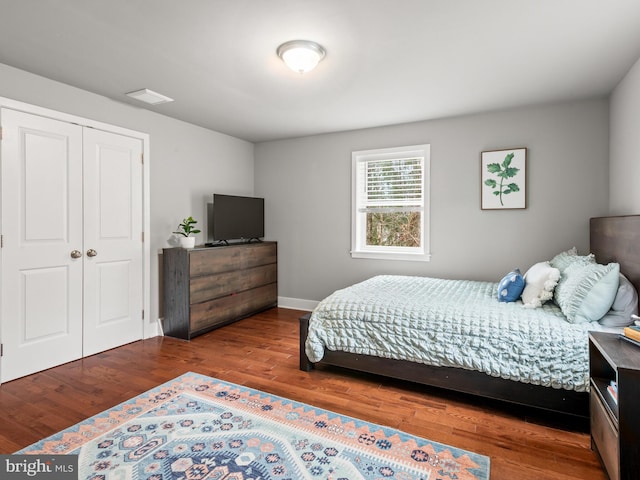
(503, 179)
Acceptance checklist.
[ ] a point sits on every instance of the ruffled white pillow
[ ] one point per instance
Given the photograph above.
(540, 280)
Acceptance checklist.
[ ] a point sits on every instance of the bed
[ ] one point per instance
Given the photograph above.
(522, 373)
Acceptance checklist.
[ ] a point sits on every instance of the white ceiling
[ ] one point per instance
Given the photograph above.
(388, 61)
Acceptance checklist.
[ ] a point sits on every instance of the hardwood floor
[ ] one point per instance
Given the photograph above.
(262, 352)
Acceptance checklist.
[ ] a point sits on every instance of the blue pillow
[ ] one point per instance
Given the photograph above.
(511, 286)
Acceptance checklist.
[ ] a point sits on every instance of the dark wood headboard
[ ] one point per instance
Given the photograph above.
(617, 239)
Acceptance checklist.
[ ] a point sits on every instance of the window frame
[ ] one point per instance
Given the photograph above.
(359, 249)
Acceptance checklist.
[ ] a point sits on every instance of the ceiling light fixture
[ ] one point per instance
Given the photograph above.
(301, 56)
(149, 96)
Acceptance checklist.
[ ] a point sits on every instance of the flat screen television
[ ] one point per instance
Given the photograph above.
(235, 218)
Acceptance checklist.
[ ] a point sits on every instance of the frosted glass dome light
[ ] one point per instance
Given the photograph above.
(301, 56)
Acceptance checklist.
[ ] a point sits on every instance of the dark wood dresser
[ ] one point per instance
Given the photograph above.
(206, 288)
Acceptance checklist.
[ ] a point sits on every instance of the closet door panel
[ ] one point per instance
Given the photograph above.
(41, 307)
(46, 319)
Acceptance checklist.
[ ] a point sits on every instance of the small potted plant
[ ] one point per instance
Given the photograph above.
(186, 229)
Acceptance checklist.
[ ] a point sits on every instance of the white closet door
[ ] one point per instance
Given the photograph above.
(41, 228)
(113, 246)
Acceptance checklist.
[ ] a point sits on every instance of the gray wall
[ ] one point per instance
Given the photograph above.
(187, 164)
(624, 186)
(307, 185)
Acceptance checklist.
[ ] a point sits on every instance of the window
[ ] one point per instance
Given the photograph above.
(390, 192)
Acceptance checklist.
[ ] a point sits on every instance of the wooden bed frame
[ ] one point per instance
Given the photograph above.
(612, 239)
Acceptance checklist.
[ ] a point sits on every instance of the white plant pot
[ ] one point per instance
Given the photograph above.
(187, 242)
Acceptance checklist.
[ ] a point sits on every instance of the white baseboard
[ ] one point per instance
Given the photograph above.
(297, 303)
(153, 329)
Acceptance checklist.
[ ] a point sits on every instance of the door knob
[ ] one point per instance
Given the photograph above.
(76, 254)
(91, 253)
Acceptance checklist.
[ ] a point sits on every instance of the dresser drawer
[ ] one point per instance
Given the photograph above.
(225, 309)
(216, 260)
(605, 435)
(205, 288)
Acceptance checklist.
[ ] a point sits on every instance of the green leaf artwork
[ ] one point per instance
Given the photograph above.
(503, 171)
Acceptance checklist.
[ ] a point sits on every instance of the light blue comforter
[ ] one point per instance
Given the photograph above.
(453, 323)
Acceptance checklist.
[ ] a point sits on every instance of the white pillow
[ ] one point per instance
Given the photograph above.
(624, 305)
(540, 280)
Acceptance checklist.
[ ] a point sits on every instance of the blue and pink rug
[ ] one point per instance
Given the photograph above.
(200, 428)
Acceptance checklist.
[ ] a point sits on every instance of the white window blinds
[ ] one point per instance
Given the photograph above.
(393, 182)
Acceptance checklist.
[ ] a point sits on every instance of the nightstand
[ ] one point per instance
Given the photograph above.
(615, 426)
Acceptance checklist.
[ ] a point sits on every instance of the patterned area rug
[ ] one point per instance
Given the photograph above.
(197, 427)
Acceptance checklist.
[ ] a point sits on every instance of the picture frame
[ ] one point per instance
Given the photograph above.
(503, 179)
